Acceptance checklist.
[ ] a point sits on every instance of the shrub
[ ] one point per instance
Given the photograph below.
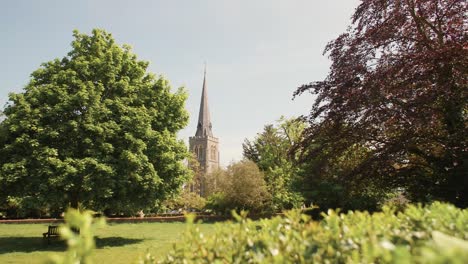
(78, 230)
(437, 234)
(240, 187)
(217, 203)
(25, 207)
(187, 201)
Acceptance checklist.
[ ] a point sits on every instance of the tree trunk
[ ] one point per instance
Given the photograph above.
(74, 201)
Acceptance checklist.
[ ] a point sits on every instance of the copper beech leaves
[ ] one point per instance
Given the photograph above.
(398, 86)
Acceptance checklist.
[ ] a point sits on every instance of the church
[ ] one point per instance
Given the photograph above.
(204, 145)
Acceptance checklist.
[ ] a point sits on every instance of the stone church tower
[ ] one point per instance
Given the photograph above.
(204, 144)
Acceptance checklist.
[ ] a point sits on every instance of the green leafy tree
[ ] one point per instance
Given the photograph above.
(293, 180)
(195, 184)
(322, 180)
(189, 197)
(240, 187)
(270, 150)
(94, 129)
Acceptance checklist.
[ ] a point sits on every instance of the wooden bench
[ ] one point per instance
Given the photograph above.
(53, 231)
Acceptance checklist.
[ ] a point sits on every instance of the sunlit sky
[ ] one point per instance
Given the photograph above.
(257, 51)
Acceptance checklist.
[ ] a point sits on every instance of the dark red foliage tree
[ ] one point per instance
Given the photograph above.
(398, 87)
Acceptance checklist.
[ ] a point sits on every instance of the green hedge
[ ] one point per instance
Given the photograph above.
(437, 233)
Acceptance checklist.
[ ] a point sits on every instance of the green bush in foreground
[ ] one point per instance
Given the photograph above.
(79, 232)
(437, 233)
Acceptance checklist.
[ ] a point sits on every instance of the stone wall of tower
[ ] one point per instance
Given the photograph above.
(206, 149)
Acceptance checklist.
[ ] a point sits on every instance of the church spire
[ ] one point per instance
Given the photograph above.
(204, 144)
(204, 120)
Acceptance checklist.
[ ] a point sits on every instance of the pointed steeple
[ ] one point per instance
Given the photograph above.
(204, 145)
(204, 120)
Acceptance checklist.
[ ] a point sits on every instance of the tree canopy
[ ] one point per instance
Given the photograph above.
(239, 187)
(397, 87)
(94, 129)
(270, 151)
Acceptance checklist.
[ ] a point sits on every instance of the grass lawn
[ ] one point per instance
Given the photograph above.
(116, 243)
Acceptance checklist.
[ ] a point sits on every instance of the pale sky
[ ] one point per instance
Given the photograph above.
(257, 51)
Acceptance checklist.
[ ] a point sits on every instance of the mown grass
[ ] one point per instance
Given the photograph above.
(116, 243)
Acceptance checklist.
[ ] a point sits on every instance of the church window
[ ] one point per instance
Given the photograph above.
(213, 152)
(200, 152)
(197, 151)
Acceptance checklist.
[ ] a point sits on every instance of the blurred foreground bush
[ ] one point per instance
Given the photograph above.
(78, 231)
(437, 233)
